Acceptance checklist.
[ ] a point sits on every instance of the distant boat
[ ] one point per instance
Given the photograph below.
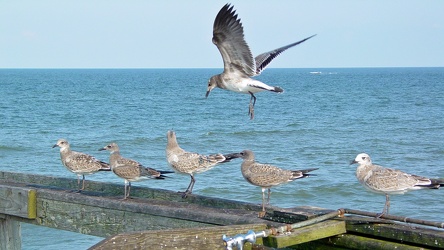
(316, 72)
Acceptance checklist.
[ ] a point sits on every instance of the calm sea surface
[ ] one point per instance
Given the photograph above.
(321, 120)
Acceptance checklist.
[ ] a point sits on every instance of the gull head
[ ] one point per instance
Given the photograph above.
(62, 143)
(212, 83)
(171, 135)
(362, 159)
(171, 140)
(110, 147)
(247, 155)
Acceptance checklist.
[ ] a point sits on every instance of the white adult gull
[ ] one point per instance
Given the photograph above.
(389, 181)
(239, 64)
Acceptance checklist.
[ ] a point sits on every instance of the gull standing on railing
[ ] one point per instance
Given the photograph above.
(130, 170)
(389, 181)
(191, 163)
(79, 163)
(266, 175)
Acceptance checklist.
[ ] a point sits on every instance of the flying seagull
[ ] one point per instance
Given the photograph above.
(389, 181)
(239, 64)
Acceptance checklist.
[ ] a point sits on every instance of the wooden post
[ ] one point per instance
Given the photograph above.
(14, 201)
(10, 238)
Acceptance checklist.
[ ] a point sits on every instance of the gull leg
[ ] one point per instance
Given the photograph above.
(251, 106)
(262, 213)
(385, 211)
(78, 183)
(268, 198)
(126, 183)
(189, 188)
(83, 182)
(129, 189)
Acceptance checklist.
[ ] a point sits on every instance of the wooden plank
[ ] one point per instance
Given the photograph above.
(116, 190)
(350, 241)
(101, 212)
(94, 214)
(10, 238)
(400, 232)
(192, 238)
(296, 214)
(18, 201)
(305, 234)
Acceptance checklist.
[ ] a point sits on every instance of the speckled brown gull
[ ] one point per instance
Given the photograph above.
(191, 163)
(389, 181)
(239, 64)
(130, 170)
(266, 175)
(79, 163)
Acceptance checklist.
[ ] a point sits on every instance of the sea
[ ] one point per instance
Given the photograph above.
(323, 119)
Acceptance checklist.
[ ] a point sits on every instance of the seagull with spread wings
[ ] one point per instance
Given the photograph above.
(239, 64)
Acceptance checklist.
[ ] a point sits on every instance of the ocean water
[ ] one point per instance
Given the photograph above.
(321, 120)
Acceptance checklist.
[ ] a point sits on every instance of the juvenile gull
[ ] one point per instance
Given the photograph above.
(266, 175)
(79, 163)
(130, 170)
(389, 181)
(191, 163)
(239, 64)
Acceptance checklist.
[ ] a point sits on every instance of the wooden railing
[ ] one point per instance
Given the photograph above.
(157, 218)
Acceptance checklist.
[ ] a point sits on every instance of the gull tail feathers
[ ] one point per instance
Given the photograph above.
(304, 172)
(163, 174)
(278, 89)
(105, 166)
(437, 183)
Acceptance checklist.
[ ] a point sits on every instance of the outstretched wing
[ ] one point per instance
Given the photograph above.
(228, 36)
(264, 59)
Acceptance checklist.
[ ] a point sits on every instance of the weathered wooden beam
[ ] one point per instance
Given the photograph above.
(100, 214)
(18, 201)
(305, 234)
(101, 211)
(105, 216)
(116, 190)
(296, 214)
(350, 241)
(190, 238)
(392, 231)
(10, 238)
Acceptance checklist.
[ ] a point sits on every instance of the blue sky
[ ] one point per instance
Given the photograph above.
(177, 34)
